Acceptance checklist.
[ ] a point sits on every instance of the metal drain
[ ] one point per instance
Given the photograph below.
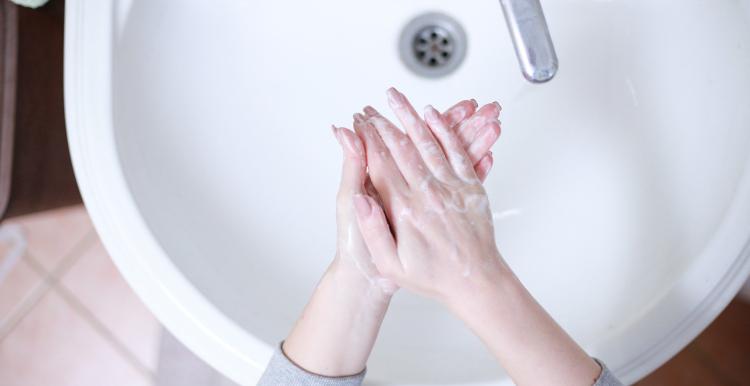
(433, 45)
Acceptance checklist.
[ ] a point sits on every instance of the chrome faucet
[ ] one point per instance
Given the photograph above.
(530, 35)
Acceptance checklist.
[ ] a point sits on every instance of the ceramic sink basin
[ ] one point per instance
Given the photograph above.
(200, 138)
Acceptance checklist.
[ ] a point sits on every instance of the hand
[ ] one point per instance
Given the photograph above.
(339, 325)
(479, 130)
(433, 234)
(433, 201)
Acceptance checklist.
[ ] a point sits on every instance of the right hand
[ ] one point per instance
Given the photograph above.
(444, 246)
(433, 202)
(480, 130)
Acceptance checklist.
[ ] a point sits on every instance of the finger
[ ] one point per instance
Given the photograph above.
(377, 235)
(402, 148)
(383, 171)
(459, 112)
(454, 150)
(421, 135)
(354, 171)
(371, 112)
(484, 140)
(484, 166)
(468, 129)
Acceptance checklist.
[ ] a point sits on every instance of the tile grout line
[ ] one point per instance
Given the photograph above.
(18, 312)
(50, 279)
(37, 293)
(103, 331)
(54, 281)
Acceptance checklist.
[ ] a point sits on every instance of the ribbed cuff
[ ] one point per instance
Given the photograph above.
(606, 378)
(281, 371)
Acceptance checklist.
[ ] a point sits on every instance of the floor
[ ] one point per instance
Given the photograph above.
(66, 315)
(67, 318)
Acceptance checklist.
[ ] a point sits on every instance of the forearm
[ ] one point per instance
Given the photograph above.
(337, 330)
(528, 343)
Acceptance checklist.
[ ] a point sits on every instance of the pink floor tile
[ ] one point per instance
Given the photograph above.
(15, 287)
(53, 345)
(97, 284)
(52, 235)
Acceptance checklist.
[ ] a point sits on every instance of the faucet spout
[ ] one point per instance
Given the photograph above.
(531, 39)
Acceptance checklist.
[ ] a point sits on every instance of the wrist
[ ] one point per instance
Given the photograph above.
(339, 325)
(524, 338)
(356, 284)
(494, 283)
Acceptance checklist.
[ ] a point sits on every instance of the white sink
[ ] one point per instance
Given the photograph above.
(621, 188)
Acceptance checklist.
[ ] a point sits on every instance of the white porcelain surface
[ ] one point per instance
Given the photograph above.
(199, 135)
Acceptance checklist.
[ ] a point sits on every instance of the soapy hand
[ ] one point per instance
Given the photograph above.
(412, 213)
(431, 228)
(476, 130)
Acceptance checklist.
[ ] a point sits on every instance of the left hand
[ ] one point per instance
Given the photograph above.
(337, 330)
(433, 230)
(478, 131)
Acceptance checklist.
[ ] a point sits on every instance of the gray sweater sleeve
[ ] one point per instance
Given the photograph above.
(606, 378)
(282, 372)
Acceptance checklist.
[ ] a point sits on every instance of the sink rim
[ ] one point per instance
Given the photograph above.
(202, 327)
(147, 269)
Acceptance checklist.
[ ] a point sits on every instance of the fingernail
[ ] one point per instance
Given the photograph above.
(394, 97)
(430, 112)
(474, 102)
(349, 141)
(362, 205)
(335, 132)
(370, 110)
(499, 108)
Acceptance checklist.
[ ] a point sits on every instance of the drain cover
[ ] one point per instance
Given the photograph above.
(433, 45)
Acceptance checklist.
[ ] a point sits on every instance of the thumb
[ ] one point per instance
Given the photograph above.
(354, 168)
(374, 228)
